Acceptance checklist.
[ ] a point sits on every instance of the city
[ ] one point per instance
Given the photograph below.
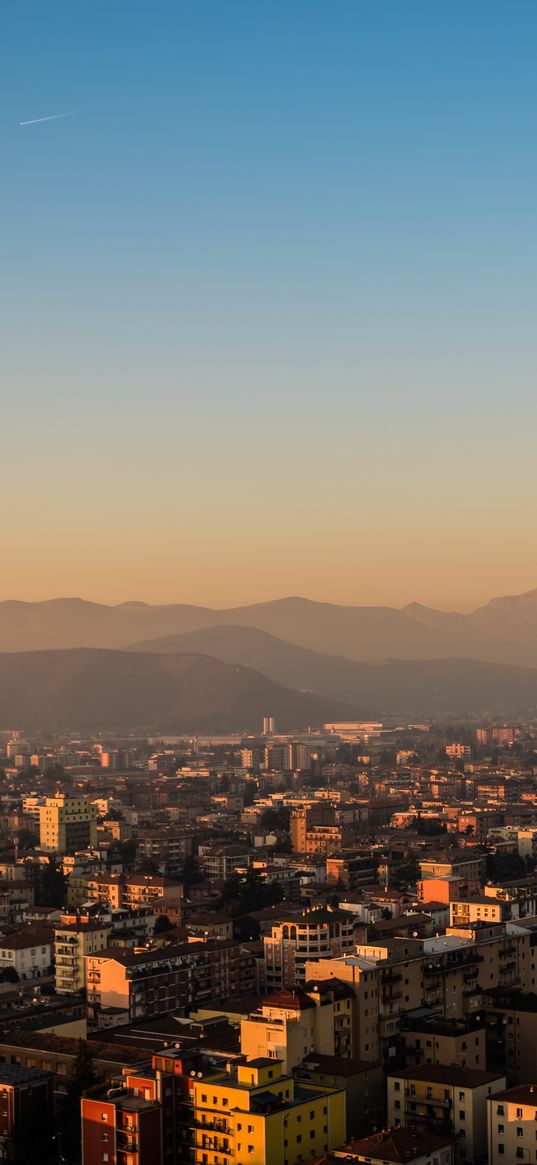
(268, 587)
(293, 948)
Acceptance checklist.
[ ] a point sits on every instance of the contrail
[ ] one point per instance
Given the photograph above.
(53, 117)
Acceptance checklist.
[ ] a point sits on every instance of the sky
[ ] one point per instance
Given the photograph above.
(267, 300)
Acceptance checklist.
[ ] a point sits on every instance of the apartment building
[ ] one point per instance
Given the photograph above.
(67, 824)
(429, 1039)
(28, 951)
(363, 977)
(482, 909)
(512, 1125)
(75, 938)
(168, 848)
(186, 1108)
(220, 862)
(292, 1024)
(26, 1106)
(360, 1080)
(317, 828)
(145, 889)
(132, 985)
(446, 1101)
(467, 864)
(319, 933)
(354, 870)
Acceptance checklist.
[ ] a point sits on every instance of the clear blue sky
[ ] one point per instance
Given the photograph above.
(268, 299)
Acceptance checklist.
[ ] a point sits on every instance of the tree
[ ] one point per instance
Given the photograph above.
(162, 924)
(51, 884)
(246, 929)
(247, 893)
(191, 874)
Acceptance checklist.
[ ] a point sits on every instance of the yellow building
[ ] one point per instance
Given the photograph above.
(67, 824)
(74, 938)
(292, 1024)
(253, 1115)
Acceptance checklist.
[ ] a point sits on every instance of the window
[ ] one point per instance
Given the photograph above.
(250, 1128)
(501, 1130)
(299, 1139)
(204, 1098)
(312, 1114)
(104, 1116)
(312, 1135)
(104, 1137)
(250, 1148)
(519, 1113)
(397, 1104)
(500, 1110)
(519, 1131)
(462, 1095)
(462, 1115)
(397, 1086)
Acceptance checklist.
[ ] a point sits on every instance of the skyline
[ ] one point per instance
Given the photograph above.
(268, 301)
(447, 608)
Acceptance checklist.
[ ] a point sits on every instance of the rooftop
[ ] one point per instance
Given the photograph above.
(395, 1145)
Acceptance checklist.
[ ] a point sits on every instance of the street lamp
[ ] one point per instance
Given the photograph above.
(58, 1137)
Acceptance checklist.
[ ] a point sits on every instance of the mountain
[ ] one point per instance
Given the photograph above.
(504, 631)
(390, 687)
(87, 689)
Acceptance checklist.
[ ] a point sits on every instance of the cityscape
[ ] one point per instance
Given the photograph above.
(268, 588)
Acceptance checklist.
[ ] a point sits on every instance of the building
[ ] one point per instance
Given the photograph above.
(316, 829)
(220, 862)
(168, 848)
(319, 933)
(75, 938)
(248, 1114)
(292, 1024)
(131, 985)
(362, 1083)
(26, 1106)
(446, 1101)
(28, 951)
(512, 1122)
(433, 1040)
(67, 824)
(397, 1146)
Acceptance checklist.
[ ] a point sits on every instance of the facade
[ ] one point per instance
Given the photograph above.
(67, 824)
(362, 1083)
(26, 1106)
(319, 933)
(178, 977)
(28, 951)
(446, 1101)
(248, 1114)
(293, 1024)
(512, 1124)
(74, 939)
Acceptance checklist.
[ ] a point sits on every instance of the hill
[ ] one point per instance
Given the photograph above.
(390, 687)
(86, 689)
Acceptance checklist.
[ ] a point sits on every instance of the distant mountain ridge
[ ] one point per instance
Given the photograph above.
(503, 631)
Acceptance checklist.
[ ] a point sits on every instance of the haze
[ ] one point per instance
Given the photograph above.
(268, 301)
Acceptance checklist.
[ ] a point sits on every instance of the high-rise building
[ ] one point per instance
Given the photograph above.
(269, 726)
(67, 824)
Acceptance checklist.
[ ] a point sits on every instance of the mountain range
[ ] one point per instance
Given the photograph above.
(73, 663)
(503, 631)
